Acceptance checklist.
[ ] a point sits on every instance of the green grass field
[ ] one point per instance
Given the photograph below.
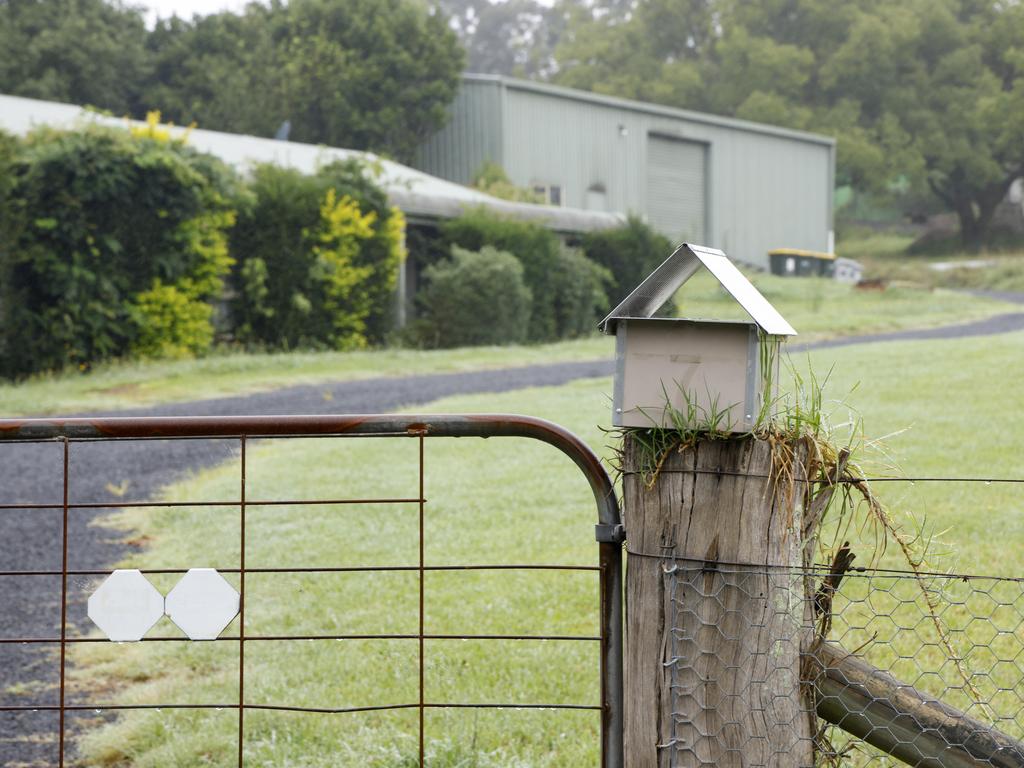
(816, 308)
(945, 406)
(1000, 272)
(866, 245)
(884, 256)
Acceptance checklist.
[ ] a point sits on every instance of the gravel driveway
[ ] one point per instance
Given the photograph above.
(31, 474)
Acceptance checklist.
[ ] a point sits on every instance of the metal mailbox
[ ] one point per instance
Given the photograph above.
(672, 372)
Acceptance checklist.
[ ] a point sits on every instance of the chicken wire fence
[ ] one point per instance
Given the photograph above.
(929, 667)
(127, 604)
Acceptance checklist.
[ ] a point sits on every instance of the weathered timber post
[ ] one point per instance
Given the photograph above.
(717, 607)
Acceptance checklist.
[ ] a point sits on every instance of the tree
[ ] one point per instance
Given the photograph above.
(364, 74)
(213, 71)
(941, 84)
(928, 92)
(515, 37)
(78, 51)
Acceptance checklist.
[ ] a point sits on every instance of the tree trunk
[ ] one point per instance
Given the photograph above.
(973, 232)
(717, 615)
(977, 212)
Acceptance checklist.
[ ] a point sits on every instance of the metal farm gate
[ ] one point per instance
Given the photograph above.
(238, 432)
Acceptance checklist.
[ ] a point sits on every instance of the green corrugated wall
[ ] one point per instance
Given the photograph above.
(764, 188)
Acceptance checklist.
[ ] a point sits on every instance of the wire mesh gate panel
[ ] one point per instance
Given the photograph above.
(404, 680)
(929, 667)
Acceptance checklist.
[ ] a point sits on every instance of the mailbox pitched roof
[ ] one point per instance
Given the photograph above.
(659, 286)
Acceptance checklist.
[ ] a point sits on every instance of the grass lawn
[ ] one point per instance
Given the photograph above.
(884, 256)
(495, 501)
(1002, 272)
(816, 308)
(131, 385)
(510, 501)
(873, 245)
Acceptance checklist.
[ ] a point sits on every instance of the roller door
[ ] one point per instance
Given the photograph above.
(676, 187)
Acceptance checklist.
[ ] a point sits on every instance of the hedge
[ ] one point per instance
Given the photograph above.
(116, 245)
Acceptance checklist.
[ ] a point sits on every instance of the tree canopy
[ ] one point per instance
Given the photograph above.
(84, 51)
(363, 74)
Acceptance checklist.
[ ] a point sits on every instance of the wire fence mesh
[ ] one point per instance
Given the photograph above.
(416, 689)
(928, 666)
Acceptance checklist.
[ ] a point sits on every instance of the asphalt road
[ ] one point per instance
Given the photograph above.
(30, 539)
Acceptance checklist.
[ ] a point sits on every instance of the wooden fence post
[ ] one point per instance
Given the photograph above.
(717, 609)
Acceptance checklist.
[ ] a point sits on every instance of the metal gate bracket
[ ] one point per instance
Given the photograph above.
(610, 534)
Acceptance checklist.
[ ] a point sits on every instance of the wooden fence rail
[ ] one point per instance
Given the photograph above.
(900, 720)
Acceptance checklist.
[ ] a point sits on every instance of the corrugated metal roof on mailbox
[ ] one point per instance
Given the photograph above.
(659, 286)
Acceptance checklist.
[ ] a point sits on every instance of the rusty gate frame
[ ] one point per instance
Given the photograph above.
(609, 530)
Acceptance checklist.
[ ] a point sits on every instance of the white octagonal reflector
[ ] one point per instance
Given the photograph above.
(202, 604)
(125, 606)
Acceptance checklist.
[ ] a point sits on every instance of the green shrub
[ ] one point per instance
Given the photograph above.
(568, 289)
(476, 297)
(536, 248)
(104, 229)
(579, 294)
(8, 151)
(9, 146)
(630, 253)
(317, 259)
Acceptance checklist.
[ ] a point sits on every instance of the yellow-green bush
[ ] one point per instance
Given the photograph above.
(169, 323)
(318, 259)
(336, 244)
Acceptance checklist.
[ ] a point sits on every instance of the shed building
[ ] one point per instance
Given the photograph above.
(743, 187)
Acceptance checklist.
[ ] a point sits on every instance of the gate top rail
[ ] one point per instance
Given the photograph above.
(414, 425)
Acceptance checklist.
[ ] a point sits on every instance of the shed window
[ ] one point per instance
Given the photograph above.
(550, 193)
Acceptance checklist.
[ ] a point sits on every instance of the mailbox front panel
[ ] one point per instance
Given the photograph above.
(661, 362)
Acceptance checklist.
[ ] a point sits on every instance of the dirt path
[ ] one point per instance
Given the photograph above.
(101, 472)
